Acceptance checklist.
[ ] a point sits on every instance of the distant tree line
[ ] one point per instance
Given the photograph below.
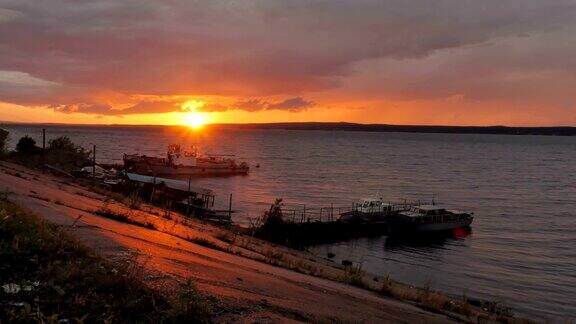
(352, 127)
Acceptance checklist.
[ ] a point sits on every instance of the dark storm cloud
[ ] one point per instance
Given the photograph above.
(295, 104)
(142, 107)
(250, 105)
(272, 48)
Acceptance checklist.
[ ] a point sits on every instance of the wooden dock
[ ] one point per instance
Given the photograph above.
(302, 225)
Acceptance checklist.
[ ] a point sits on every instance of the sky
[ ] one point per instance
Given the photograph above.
(449, 62)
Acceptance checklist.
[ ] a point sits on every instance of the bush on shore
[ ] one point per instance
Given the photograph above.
(64, 153)
(61, 153)
(3, 140)
(271, 226)
(273, 218)
(27, 146)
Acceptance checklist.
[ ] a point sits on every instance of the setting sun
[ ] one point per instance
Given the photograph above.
(195, 120)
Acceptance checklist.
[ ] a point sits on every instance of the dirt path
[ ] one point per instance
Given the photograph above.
(246, 290)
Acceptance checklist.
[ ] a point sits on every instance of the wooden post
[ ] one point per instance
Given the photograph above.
(43, 150)
(230, 208)
(94, 163)
(153, 188)
(190, 196)
(331, 212)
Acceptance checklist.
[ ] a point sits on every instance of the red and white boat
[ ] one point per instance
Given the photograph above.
(181, 164)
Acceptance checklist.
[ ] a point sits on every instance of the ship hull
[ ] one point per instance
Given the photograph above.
(400, 226)
(190, 171)
(363, 217)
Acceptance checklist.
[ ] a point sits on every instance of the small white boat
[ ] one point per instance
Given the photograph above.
(429, 218)
(368, 210)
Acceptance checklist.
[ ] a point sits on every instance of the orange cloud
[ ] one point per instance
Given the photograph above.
(291, 59)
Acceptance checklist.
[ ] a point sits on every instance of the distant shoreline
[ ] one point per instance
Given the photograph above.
(502, 130)
(342, 126)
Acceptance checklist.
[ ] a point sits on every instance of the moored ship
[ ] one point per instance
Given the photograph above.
(369, 210)
(179, 163)
(429, 219)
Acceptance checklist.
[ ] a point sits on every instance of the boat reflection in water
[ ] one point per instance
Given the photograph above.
(426, 240)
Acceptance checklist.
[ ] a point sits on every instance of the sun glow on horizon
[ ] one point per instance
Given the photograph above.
(195, 120)
(192, 117)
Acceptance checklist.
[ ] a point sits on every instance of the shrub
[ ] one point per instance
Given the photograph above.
(64, 153)
(355, 277)
(27, 146)
(271, 226)
(3, 140)
(273, 217)
(189, 306)
(206, 243)
(123, 218)
(62, 143)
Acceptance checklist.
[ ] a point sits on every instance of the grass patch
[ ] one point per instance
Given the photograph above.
(493, 307)
(355, 277)
(206, 243)
(226, 236)
(434, 301)
(282, 259)
(274, 256)
(108, 213)
(46, 276)
(189, 304)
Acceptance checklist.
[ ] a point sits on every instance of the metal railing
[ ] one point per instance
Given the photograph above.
(304, 213)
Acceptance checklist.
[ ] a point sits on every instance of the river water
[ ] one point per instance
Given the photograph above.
(522, 190)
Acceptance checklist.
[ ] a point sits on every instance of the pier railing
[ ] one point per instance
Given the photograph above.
(304, 213)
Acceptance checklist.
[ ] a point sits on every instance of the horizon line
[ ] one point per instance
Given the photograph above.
(2, 122)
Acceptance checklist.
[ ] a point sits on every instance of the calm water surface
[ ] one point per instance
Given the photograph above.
(522, 189)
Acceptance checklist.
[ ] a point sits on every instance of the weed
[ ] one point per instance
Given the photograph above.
(110, 214)
(133, 201)
(61, 280)
(274, 255)
(355, 277)
(206, 243)
(493, 307)
(227, 237)
(190, 304)
(387, 286)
